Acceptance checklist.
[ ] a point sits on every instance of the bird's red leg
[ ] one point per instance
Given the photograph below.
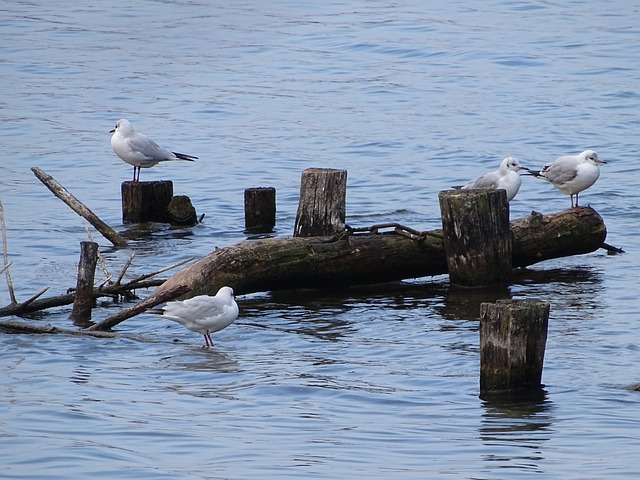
(206, 340)
(210, 341)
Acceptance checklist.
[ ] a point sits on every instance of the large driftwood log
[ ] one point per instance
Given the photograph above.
(316, 262)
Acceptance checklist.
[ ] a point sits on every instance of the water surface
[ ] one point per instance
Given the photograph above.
(373, 382)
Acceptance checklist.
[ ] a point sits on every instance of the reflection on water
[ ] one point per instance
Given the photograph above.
(515, 428)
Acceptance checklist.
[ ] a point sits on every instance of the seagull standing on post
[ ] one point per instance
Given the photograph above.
(505, 178)
(139, 150)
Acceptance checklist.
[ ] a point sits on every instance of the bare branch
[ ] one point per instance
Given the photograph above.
(12, 293)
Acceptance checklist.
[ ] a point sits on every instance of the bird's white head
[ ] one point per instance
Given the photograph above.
(591, 157)
(511, 163)
(225, 292)
(123, 126)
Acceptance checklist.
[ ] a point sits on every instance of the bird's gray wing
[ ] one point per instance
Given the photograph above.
(195, 309)
(148, 149)
(561, 171)
(490, 180)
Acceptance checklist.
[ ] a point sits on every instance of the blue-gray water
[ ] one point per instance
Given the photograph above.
(379, 382)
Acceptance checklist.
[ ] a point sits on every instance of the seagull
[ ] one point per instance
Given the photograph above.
(203, 314)
(573, 173)
(139, 150)
(505, 178)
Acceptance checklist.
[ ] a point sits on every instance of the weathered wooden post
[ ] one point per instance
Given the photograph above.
(83, 300)
(259, 209)
(322, 207)
(146, 201)
(477, 239)
(181, 211)
(513, 336)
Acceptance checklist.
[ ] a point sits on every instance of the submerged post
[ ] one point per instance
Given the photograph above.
(259, 209)
(513, 336)
(181, 211)
(83, 300)
(146, 201)
(477, 239)
(322, 207)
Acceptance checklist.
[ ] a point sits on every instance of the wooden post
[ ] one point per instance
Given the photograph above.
(146, 201)
(181, 211)
(322, 206)
(83, 301)
(513, 335)
(259, 209)
(477, 239)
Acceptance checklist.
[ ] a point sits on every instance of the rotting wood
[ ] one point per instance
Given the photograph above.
(327, 262)
(476, 236)
(146, 201)
(181, 211)
(322, 206)
(33, 305)
(113, 290)
(77, 206)
(21, 327)
(513, 335)
(83, 301)
(259, 209)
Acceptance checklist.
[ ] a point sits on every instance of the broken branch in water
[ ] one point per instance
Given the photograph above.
(77, 206)
(12, 293)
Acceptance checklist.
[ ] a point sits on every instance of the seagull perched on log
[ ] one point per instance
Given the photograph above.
(572, 174)
(139, 150)
(203, 314)
(505, 178)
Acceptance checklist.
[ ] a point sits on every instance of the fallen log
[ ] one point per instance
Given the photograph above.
(328, 262)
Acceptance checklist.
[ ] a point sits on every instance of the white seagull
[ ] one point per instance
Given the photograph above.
(505, 178)
(203, 314)
(139, 150)
(573, 173)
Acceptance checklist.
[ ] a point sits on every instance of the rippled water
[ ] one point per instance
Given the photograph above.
(372, 382)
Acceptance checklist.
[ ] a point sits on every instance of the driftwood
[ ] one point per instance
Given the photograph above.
(113, 320)
(317, 262)
(21, 327)
(77, 206)
(116, 289)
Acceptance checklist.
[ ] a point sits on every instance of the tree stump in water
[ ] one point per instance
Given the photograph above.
(259, 209)
(83, 301)
(181, 211)
(477, 240)
(322, 207)
(513, 336)
(146, 201)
